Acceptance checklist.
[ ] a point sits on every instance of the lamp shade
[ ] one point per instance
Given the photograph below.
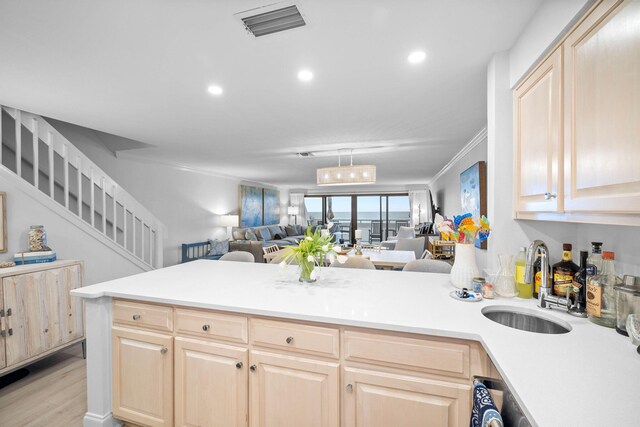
(293, 210)
(229, 220)
(347, 175)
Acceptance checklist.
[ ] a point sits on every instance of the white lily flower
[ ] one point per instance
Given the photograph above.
(342, 259)
(310, 258)
(325, 248)
(309, 238)
(313, 274)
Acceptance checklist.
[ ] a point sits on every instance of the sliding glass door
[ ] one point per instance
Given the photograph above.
(379, 216)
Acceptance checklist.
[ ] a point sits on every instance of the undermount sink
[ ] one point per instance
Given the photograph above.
(525, 320)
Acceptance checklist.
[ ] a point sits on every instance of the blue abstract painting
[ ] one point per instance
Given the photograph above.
(250, 206)
(271, 207)
(473, 197)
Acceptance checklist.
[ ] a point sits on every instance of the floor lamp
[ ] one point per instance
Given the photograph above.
(293, 211)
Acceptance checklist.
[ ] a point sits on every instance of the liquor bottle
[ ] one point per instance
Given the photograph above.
(601, 296)
(580, 287)
(564, 271)
(525, 290)
(595, 260)
(537, 274)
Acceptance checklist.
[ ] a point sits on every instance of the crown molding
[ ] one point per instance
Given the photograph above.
(473, 143)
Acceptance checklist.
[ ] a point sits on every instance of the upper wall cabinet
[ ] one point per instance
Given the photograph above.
(596, 160)
(538, 138)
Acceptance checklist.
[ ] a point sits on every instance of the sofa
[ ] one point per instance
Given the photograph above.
(279, 235)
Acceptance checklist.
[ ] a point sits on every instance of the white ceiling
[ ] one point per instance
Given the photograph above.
(140, 69)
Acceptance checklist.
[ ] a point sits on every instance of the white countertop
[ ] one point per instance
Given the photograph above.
(588, 377)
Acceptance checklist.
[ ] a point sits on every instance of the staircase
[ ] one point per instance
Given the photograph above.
(45, 164)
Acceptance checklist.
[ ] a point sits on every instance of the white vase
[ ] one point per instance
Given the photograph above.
(464, 266)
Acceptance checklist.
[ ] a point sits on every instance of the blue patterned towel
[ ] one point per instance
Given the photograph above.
(484, 411)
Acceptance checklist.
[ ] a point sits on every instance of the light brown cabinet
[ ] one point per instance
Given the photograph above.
(381, 399)
(187, 367)
(293, 391)
(38, 315)
(538, 138)
(576, 127)
(142, 376)
(211, 384)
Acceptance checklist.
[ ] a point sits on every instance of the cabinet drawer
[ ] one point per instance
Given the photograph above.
(143, 315)
(451, 359)
(211, 325)
(296, 337)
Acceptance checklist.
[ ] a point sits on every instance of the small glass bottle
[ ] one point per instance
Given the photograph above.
(564, 271)
(37, 238)
(525, 290)
(601, 298)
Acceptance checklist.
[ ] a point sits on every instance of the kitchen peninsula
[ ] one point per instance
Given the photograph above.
(352, 343)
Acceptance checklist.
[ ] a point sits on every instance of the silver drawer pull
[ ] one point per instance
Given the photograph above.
(289, 340)
(164, 350)
(253, 368)
(349, 388)
(548, 196)
(136, 317)
(205, 327)
(239, 365)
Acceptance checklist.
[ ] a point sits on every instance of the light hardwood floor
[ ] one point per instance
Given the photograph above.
(54, 394)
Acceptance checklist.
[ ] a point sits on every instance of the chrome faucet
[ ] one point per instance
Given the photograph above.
(546, 299)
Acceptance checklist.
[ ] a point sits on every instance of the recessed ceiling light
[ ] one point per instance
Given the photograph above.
(214, 90)
(417, 57)
(305, 75)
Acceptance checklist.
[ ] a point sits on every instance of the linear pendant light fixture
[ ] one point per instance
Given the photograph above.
(347, 175)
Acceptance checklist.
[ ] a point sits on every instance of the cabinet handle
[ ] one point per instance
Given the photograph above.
(205, 327)
(548, 196)
(253, 368)
(136, 317)
(289, 340)
(164, 350)
(239, 365)
(349, 388)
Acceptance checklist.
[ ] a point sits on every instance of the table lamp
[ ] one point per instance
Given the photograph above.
(229, 221)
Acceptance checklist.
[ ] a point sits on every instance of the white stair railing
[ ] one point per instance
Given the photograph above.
(127, 223)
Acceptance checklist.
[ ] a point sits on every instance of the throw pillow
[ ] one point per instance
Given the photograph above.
(279, 236)
(406, 233)
(265, 234)
(218, 247)
(250, 235)
(291, 230)
(275, 229)
(300, 230)
(239, 234)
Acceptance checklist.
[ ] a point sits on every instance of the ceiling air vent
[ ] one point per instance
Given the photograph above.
(273, 21)
(305, 154)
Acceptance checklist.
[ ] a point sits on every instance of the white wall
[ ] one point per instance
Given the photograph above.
(69, 241)
(508, 234)
(445, 190)
(187, 202)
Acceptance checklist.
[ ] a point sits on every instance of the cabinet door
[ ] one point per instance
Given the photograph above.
(293, 391)
(602, 111)
(211, 384)
(538, 139)
(3, 332)
(142, 377)
(378, 399)
(43, 313)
